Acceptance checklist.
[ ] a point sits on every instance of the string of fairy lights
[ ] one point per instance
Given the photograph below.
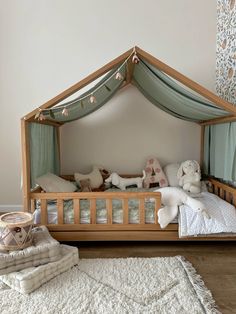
(117, 75)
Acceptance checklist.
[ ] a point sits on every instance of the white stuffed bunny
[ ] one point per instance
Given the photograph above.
(171, 198)
(189, 175)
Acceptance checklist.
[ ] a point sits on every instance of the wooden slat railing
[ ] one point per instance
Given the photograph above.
(109, 211)
(142, 211)
(44, 213)
(60, 211)
(125, 211)
(76, 206)
(92, 197)
(224, 191)
(93, 212)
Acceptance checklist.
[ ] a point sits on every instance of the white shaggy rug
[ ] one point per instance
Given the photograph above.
(132, 285)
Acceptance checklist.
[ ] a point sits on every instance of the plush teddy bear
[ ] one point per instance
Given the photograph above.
(189, 175)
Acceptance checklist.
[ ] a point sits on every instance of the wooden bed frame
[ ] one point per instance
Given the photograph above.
(125, 231)
(109, 231)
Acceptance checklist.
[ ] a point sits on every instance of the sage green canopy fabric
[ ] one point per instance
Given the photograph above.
(164, 92)
(171, 97)
(44, 151)
(220, 151)
(160, 89)
(81, 106)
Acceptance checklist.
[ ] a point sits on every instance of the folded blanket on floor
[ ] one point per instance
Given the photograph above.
(44, 249)
(29, 279)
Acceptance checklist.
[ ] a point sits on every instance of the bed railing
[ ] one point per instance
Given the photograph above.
(224, 191)
(92, 197)
(94, 231)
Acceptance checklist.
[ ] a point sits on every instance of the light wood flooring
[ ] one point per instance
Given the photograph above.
(215, 262)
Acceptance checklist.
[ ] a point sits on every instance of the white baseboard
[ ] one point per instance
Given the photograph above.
(11, 208)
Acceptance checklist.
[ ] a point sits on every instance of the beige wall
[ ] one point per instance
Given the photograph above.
(123, 133)
(46, 46)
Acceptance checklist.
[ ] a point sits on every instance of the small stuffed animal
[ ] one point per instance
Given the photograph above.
(122, 183)
(96, 179)
(189, 175)
(171, 198)
(85, 185)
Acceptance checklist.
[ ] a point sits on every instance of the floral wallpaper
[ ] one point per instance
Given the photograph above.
(226, 50)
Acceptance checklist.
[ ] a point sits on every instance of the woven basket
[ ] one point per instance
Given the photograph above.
(15, 231)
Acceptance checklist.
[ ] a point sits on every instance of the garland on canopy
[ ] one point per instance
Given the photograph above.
(90, 97)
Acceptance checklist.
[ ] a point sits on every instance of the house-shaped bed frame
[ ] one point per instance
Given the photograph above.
(122, 71)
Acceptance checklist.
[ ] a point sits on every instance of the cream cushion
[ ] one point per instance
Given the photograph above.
(95, 177)
(51, 183)
(44, 249)
(170, 171)
(29, 279)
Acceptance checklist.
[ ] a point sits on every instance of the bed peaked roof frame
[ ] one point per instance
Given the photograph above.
(126, 57)
(219, 102)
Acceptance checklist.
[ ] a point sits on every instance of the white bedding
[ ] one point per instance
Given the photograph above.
(222, 221)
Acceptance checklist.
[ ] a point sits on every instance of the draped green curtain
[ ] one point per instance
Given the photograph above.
(220, 151)
(155, 85)
(171, 97)
(81, 106)
(44, 150)
(165, 93)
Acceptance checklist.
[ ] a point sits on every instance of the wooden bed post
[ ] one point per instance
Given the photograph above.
(25, 164)
(59, 147)
(202, 146)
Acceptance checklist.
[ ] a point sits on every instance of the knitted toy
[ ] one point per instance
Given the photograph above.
(122, 183)
(189, 175)
(171, 198)
(94, 176)
(154, 173)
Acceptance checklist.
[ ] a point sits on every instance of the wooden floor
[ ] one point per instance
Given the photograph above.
(215, 262)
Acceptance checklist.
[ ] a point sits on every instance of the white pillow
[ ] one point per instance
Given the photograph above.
(95, 177)
(51, 183)
(170, 171)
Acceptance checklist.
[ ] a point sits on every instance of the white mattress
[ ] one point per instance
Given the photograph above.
(222, 218)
